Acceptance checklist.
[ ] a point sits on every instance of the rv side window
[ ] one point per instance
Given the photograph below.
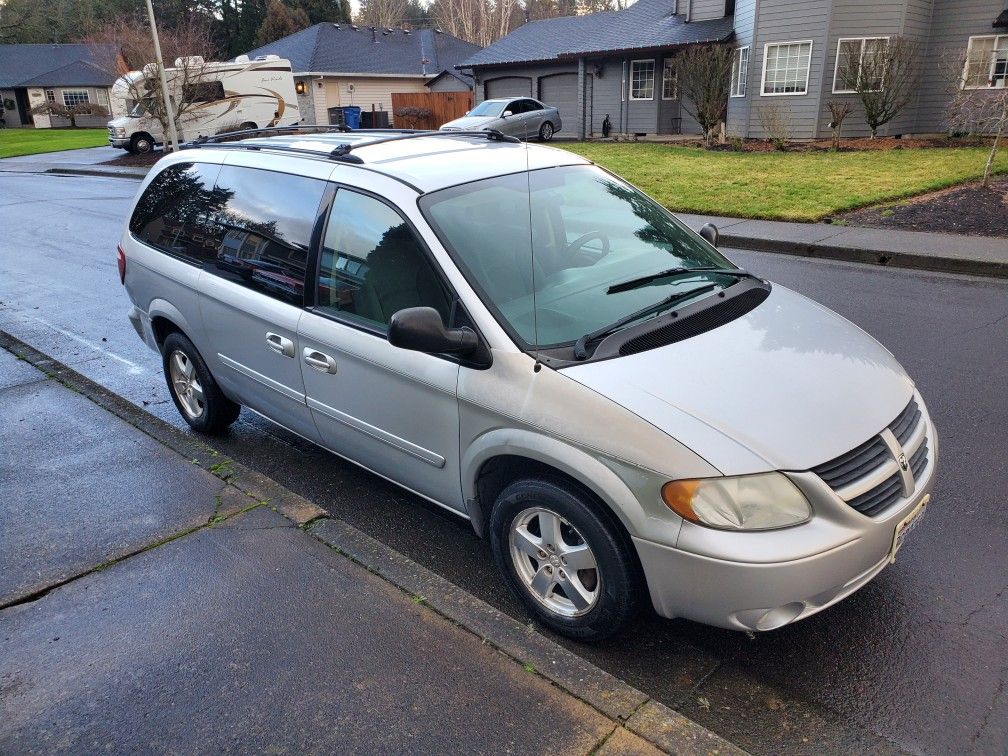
(174, 212)
(263, 230)
(204, 91)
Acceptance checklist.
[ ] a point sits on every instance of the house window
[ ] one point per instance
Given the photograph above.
(669, 85)
(786, 68)
(73, 97)
(850, 62)
(642, 79)
(50, 95)
(739, 71)
(103, 98)
(986, 63)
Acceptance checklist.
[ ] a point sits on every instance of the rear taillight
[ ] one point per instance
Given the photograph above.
(121, 260)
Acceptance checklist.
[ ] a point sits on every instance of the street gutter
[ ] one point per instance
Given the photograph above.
(638, 713)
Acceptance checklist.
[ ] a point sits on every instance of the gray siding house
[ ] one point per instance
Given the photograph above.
(619, 63)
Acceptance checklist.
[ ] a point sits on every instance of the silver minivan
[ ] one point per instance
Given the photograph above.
(521, 337)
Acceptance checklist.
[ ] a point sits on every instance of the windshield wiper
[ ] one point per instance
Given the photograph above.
(581, 346)
(636, 283)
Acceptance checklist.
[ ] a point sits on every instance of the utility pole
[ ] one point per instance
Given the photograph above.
(172, 135)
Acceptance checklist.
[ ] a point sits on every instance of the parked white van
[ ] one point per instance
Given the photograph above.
(246, 94)
(523, 338)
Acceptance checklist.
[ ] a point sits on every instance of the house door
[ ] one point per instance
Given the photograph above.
(24, 109)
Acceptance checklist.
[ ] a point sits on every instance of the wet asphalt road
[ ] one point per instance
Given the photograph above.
(915, 661)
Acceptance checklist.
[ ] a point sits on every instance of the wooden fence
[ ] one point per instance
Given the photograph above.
(443, 106)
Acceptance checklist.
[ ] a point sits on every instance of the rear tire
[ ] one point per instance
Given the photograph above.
(196, 394)
(141, 144)
(570, 566)
(546, 132)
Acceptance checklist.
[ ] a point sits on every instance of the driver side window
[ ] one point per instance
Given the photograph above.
(371, 264)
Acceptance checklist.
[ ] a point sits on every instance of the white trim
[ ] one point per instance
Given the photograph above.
(654, 72)
(350, 75)
(836, 62)
(675, 79)
(766, 47)
(990, 65)
(743, 73)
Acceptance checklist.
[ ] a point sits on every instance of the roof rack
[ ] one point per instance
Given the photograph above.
(341, 152)
(324, 127)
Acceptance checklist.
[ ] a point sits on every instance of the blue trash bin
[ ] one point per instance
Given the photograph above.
(351, 116)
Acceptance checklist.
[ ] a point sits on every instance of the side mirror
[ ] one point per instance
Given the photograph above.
(421, 330)
(710, 233)
(506, 113)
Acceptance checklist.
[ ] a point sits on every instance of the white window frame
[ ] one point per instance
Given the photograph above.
(990, 66)
(808, 71)
(103, 98)
(86, 100)
(836, 63)
(50, 95)
(666, 68)
(654, 68)
(740, 76)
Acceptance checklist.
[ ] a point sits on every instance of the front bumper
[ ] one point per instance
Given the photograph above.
(765, 595)
(121, 143)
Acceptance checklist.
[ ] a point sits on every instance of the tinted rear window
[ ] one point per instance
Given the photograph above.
(175, 211)
(248, 225)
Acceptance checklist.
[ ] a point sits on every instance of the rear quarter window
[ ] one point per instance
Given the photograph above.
(248, 225)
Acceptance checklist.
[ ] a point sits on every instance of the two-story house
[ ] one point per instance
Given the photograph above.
(620, 64)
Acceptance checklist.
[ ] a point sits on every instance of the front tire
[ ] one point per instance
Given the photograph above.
(141, 144)
(568, 563)
(546, 132)
(196, 394)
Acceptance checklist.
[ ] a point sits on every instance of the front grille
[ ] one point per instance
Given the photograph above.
(870, 458)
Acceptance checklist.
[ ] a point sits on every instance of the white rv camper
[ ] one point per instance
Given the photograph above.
(240, 94)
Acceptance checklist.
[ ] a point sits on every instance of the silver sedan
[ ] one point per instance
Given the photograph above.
(522, 117)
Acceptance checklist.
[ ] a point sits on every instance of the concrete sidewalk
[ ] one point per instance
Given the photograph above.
(949, 253)
(149, 605)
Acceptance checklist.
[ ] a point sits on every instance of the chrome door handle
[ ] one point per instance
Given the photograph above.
(279, 344)
(319, 361)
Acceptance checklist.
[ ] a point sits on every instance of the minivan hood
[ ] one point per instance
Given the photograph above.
(470, 123)
(788, 386)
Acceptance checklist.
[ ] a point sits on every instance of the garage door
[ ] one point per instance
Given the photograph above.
(560, 91)
(508, 86)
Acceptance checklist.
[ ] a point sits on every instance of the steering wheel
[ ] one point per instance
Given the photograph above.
(572, 249)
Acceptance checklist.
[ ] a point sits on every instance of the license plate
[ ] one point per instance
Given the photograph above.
(907, 524)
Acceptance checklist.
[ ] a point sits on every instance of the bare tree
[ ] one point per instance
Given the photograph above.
(883, 74)
(702, 73)
(381, 13)
(978, 105)
(128, 40)
(70, 112)
(775, 120)
(838, 110)
(481, 22)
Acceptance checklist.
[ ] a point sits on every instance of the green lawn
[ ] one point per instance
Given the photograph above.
(32, 141)
(799, 186)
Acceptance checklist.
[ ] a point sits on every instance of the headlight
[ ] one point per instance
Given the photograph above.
(748, 502)
(120, 132)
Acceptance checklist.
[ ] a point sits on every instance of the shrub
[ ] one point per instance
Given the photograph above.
(70, 112)
(413, 115)
(775, 120)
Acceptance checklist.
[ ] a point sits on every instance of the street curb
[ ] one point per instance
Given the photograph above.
(133, 175)
(881, 258)
(660, 725)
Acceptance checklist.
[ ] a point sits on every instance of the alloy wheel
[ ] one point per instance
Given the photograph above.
(554, 562)
(186, 384)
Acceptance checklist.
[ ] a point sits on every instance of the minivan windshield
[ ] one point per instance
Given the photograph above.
(488, 108)
(592, 244)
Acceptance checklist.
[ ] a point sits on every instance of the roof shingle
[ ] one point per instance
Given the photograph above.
(56, 65)
(332, 48)
(645, 25)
